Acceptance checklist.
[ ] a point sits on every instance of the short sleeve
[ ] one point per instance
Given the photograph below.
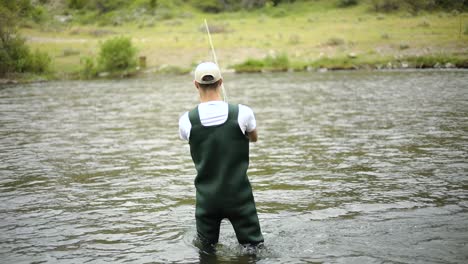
(184, 126)
(246, 119)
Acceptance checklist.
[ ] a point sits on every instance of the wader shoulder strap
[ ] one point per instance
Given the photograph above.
(233, 112)
(194, 117)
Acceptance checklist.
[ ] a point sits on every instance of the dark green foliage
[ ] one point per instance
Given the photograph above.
(39, 62)
(335, 41)
(277, 2)
(209, 6)
(88, 70)
(117, 54)
(347, 3)
(452, 4)
(414, 6)
(77, 4)
(153, 4)
(102, 6)
(15, 56)
(386, 5)
(38, 14)
(216, 6)
(24, 10)
(19, 8)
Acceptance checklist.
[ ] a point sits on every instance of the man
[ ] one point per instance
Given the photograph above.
(219, 135)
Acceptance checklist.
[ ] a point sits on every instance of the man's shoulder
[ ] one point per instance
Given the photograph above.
(184, 117)
(245, 109)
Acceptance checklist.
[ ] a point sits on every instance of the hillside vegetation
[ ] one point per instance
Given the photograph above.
(248, 35)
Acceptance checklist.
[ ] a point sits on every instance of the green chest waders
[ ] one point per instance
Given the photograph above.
(221, 157)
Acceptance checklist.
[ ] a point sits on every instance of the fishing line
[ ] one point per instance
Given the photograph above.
(223, 91)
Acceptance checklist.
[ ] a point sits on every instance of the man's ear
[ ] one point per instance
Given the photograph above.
(196, 84)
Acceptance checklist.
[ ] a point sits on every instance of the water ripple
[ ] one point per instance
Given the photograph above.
(350, 168)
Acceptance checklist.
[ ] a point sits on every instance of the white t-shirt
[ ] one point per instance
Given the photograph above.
(215, 113)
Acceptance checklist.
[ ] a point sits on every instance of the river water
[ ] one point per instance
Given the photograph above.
(350, 167)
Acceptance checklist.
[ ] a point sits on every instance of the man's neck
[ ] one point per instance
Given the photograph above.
(210, 96)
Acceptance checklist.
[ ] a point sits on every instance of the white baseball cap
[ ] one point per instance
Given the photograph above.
(207, 73)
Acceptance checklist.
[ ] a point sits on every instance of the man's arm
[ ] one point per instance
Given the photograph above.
(252, 136)
(248, 123)
(184, 126)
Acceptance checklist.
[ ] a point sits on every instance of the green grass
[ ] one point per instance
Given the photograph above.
(269, 63)
(314, 34)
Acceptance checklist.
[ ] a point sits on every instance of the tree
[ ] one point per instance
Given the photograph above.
(15, 56)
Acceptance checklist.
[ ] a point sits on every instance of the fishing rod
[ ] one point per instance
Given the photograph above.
(223, 91)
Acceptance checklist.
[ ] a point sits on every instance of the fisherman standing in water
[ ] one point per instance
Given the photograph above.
(219, 135)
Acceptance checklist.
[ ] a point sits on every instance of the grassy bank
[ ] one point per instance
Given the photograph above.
(297, 36)
(351, 62)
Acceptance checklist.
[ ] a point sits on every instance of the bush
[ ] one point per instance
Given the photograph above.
(414, 6)
(39, 62)
(77, 4)
(117, 54)
(347, 3)
(216, 6)
(15, 56)
(38, 14)
(386, 5)
(88, 70)
(104, 6)
(209, 6)
(451, 4)
(335, 41)
(277, 63)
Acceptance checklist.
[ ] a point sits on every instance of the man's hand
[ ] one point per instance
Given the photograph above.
(252, 136)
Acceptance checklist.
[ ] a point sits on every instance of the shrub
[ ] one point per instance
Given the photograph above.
(39, 62)
(209, 6)
(77, 4)
(335, 42)
(386, 5)
(38, 14)
(153, 4)
(69, 52)
(216, 6)
(279, 62)
(451, 4)
(117, 54)
(414, 6)
(250, 65)
(88, 70)
(347, 3)
(404, 46)
(15, 56)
